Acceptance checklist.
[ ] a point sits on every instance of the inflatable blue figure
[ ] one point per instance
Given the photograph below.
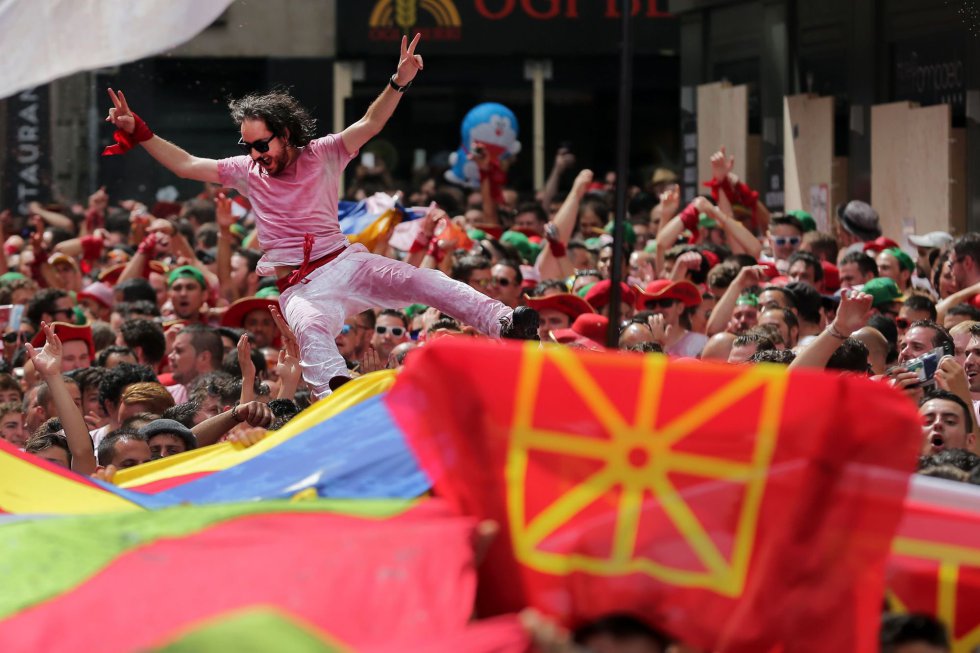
(491, 126)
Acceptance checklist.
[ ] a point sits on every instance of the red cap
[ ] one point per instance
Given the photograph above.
(235, 314)
(880, 244)
(831, 276)
(770, 268)
(598, 294)
(588, 331)
(565, 302)
(65, 333)
(683, 291)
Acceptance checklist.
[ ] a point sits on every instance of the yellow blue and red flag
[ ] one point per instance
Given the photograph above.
(341, 576)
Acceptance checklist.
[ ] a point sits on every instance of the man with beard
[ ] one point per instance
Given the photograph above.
(291, 180)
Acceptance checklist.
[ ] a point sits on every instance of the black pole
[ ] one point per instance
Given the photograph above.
(622, 171)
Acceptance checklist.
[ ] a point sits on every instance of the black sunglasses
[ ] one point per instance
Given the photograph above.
(502, 282)
(14, 336)
(660, 303)
(259, 146)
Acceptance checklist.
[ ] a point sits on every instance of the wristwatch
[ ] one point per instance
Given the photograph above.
(394, 85)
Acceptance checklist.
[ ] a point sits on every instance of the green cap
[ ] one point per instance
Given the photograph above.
(628, 232)
(747, 299)
(883, 291)
(584, 290)
(809, 224)
(187, 271)
(651, 246)
(476, 234)
(415, 309)
(904, 260)
(593, 244)
(269, 292)
(706, 222)
(528, 250)
(7, 277)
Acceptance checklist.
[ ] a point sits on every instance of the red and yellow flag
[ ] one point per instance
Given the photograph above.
(740, 508)
(935, 563)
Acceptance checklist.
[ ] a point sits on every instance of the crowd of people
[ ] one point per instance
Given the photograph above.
(133, 332)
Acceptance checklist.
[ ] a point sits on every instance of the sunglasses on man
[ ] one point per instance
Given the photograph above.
(782, 241)
(15, 336)
(660, 303)
(398, 332)
(502, 282)
(261, 146)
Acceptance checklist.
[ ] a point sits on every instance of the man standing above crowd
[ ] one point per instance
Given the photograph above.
(291, 180)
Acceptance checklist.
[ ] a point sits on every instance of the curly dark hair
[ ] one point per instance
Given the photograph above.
(281, 113)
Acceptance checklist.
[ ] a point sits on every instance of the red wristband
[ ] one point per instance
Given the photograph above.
(690, 218)
(91, 247)
(126, 141)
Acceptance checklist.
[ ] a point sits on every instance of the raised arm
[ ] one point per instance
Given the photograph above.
(853, 313)
(171, 157)
(47, 362)
(721, 314)
(409, 65)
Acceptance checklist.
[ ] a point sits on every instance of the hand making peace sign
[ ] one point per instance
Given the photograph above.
(409, 64)
(120, 115)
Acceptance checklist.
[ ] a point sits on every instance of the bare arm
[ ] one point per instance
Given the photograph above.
(225, 220)
(852, 314)
(170, 156)
(722, 313)
(52, 218)
(736, 231)
(47, 362)
(956, 298)
(548, 265)
(377, 115)
(564, 160)
(211, 430)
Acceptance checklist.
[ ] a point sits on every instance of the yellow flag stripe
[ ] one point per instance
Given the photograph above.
(563, 443)
(588, 390)
(649, 392)
(627, 522)
(715, 404)
(568, 505)
(29, 489)
(707, 466)
(688, 525)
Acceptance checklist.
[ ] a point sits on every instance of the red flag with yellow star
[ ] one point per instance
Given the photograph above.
(935, 563)
(739, 508)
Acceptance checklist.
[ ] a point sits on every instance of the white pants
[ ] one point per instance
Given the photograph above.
(358, 280)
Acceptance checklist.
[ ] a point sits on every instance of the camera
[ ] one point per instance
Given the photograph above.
(926, 365)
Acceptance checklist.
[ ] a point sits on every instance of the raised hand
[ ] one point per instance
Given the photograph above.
(222, 211)
(47, 362)
(581, 184)
(853, 312)
(409, 63)
(288, 337)
(721, 164)
(255, 413)
(120, 115)
(670, 201)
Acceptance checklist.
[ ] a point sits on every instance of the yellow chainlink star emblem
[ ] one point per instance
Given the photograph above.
(950, 558)
(636, 459)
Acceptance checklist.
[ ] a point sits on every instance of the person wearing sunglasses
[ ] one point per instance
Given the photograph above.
(785, 237)
(506, 283)
(390, 330)
(291, 179)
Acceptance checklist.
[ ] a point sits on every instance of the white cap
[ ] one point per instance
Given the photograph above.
(932, 240)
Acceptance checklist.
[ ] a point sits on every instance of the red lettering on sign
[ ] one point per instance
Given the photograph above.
(503, 12)
(548, 14)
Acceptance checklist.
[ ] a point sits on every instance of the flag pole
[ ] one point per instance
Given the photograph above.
(622, 171)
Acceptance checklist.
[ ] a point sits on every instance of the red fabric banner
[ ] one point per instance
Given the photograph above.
(739, 508)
